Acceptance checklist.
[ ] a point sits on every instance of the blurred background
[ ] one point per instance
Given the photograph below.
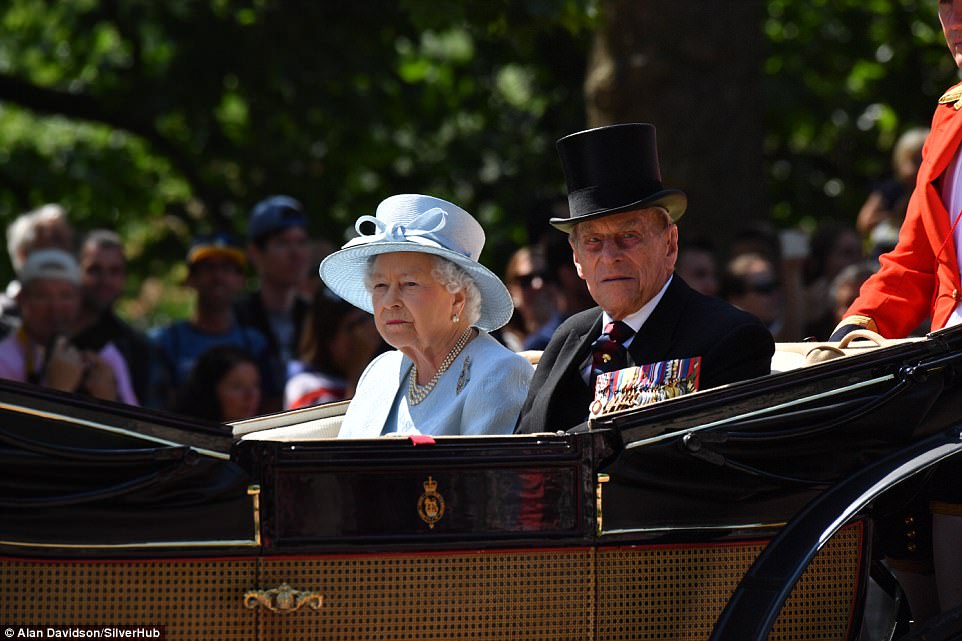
(162, 120)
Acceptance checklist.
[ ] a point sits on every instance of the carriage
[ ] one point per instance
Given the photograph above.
(760, 509)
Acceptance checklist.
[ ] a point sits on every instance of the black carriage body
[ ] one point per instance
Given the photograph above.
(395, 493)
(640, 527)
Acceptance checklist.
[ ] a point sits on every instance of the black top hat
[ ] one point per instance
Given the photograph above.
(614, 169)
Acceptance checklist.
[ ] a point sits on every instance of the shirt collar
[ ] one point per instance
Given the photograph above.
(636, 319)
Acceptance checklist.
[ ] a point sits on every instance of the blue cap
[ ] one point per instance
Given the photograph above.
(273, 214)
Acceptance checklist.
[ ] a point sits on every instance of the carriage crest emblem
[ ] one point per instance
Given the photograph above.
(431, 503)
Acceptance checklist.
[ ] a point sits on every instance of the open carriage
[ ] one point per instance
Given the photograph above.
(748, 511)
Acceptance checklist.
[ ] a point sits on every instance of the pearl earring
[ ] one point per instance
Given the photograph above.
(455, 318)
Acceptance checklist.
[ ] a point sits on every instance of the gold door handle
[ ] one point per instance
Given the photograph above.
(282, 599)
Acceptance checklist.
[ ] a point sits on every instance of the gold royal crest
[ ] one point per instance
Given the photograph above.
(431, 503)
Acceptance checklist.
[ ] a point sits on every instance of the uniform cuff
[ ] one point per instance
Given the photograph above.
(851, 323)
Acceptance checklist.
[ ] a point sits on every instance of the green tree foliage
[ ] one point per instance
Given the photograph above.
(163, 119)
(843, 79)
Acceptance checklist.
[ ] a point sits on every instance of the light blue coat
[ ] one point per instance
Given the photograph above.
(481, 393)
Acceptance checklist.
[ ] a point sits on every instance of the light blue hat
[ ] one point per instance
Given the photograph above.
(416, 223)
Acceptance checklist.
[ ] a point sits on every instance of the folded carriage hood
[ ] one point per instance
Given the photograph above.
(82, 474)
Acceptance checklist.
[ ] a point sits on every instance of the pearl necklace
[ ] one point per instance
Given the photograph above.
(417, 393)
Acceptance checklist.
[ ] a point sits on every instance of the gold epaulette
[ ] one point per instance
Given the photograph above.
(952, 95)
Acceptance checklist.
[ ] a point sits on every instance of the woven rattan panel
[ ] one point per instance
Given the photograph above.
(822, 602)
(538, 594)
(677, 592)
(667, 592)
(194, 599)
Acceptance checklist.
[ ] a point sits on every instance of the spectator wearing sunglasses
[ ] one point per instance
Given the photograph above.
(535, 298)
(751, 284)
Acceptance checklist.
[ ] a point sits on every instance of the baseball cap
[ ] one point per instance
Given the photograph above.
(50, 263)
(273, 214)
(218, 244)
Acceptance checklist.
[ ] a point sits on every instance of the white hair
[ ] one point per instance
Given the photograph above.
(22, 232)
(454, 279)
(450, 276)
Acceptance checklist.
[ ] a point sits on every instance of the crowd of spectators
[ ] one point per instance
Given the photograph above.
(232, 358)
(291, 343)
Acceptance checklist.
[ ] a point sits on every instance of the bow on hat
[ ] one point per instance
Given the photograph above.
(424, 224)
(422, 229)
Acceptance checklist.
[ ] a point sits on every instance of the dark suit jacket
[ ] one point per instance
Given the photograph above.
(733, 344)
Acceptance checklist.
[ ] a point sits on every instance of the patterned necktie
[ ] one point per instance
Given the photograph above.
(608, 352)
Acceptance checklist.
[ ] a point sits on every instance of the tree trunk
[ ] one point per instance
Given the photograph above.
(693, 69)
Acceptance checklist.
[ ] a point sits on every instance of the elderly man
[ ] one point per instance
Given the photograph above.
(624, 239)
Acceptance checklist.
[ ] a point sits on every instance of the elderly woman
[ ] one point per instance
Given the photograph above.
(418, 273)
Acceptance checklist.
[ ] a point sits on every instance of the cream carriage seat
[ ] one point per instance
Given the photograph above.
(308, 424)
(789, 356)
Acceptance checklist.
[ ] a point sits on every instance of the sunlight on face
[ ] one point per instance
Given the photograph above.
(411, 308)
(950, 15)
(625, 258)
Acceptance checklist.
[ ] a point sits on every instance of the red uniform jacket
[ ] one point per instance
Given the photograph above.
(920, 277)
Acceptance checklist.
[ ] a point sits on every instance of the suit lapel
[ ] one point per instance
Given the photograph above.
(575, 350)
(566, 371)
